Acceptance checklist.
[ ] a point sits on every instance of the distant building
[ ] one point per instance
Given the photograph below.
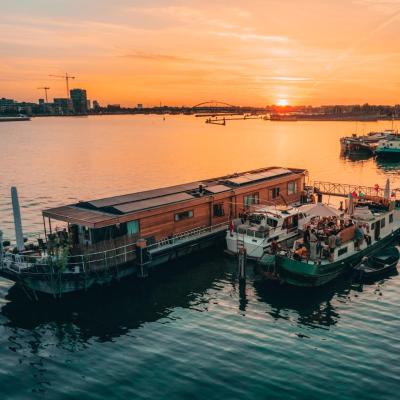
(113, 107)
(96, 105)
(63, 106)
(79, 101)
(140, 105)
(7, 105)
(88, 105)
(41, 101)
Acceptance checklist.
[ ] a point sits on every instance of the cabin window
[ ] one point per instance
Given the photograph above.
(292, 187)
(373, 226)
(382, 222)
(253, 198)
(275, 192)
(272, 222)
(183, 215)
(390, 218)
(218, 210)
(342, 251)
(133, 227)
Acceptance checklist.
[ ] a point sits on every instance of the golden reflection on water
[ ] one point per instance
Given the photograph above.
(61, 160)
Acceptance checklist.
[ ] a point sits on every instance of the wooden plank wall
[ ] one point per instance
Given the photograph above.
(161, 223)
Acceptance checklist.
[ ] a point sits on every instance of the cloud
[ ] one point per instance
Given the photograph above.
(155, 57)
(245, 36)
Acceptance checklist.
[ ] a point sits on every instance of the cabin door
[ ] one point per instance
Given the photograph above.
(377, 231)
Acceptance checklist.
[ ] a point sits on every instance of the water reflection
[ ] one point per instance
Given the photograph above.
(105, 314)
(388, 166)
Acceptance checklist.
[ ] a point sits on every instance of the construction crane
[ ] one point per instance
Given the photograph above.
(45, 88)
(67, 78)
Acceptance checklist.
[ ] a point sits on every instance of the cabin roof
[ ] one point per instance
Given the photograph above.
(106, 211)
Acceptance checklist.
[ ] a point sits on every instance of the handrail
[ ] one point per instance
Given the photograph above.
(187, 234)
(121, 251)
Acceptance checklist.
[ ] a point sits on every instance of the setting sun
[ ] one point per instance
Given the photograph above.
(283, 102)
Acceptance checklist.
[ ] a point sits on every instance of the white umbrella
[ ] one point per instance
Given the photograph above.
(350, 208)
(386, 194)
(320, 210)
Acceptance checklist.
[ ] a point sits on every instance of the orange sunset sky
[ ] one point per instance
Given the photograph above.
(184, 52)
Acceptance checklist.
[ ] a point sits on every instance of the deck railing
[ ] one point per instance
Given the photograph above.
(100, 260)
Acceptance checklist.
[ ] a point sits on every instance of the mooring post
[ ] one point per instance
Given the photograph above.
(141, 257)
(242, 258)
(1, 249)
(19, 236)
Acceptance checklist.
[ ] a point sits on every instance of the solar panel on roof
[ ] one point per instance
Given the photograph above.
(247, 178)
(148, 194)
(151, 203)
(217, 189)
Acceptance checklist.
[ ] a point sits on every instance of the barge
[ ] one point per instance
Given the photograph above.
(97, 242)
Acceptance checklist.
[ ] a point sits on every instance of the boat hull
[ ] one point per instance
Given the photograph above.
(57, 284)
(298, 273)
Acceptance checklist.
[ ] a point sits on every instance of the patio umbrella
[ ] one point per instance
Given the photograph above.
(350, 208)
(386, 194)
(320, 210)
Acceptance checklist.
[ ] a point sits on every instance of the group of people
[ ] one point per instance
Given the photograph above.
(320, 241)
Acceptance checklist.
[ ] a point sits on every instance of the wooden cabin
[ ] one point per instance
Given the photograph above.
(158, 214)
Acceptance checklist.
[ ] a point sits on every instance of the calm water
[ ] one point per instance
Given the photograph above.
(190, 332)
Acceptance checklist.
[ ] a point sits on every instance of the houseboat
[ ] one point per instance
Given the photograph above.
(95, 242)
(370, 227)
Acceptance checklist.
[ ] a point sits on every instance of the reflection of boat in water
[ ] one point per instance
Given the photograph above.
(388, 165)
(107, 313)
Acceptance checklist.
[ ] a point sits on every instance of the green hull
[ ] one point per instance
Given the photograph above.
(299, 273)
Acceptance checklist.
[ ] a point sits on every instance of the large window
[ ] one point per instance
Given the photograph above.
(254, 198)
(183, 215)
(383, 223)
(275, 192)
(390, 218)
(218, 210)
(291, 188)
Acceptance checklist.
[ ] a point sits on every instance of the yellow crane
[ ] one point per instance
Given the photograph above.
(45, 88)
(67, 78)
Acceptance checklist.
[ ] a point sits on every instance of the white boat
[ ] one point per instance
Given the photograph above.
(256, 231)
(389, 147)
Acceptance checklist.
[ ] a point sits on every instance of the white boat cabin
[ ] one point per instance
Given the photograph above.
(255, 231)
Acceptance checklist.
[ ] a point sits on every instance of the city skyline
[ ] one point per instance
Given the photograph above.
(176, 53)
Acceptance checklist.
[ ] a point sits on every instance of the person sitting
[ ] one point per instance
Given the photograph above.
(300, 253)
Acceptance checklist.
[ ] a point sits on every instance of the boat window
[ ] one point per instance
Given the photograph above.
(272, 222)
(250, 232)
(382, 222)
(218, 210)
(390, 218)
(242, 230)
(256, 218)
(373, 226)
(183, 215)
(292, 187)
(132, 227)
(275, 192)
(260, 234)
(342, 251)
(253, 198)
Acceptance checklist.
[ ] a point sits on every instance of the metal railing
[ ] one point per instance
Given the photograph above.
(187, 235)
(99, 260)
